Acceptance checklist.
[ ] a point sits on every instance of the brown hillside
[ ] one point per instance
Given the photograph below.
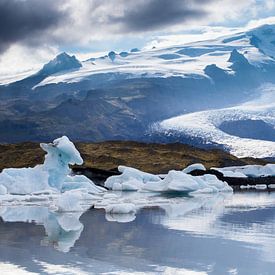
(155, 158)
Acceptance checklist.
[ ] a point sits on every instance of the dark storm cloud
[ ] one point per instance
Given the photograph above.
(72, 22)
(156, 14)
(27, 20)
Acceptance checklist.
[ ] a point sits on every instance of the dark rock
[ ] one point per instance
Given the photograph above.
(235, 182)
(98, 176)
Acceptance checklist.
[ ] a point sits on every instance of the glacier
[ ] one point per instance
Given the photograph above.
(206, 125)
(204, 80)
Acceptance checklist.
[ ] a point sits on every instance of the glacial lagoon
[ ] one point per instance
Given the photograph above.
(170, 234)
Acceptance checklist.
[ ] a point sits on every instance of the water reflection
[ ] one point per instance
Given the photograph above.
(61, 229)
(232, 234)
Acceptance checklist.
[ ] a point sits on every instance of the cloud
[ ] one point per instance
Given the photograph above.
(27, 21)
(37, 29)
(74, 23)
(149, 15)
(102, 20)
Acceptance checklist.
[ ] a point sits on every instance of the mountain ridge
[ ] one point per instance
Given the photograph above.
(120, 96)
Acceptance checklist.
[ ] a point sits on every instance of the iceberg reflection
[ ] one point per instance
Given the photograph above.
(62, 229)
(203, 234)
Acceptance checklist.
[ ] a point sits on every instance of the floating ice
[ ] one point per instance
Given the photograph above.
(260, 186)
(134, 180)
(180, 182)
(3, 190)
(53, 174)
(69, 201)
(131, 179)
(121, 208)
(257, 186)
(230, 174)
(192, 167)
(250, 170)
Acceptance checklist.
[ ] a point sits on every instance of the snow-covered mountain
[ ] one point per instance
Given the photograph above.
(229, 53)
(203, 92)
(62, 62)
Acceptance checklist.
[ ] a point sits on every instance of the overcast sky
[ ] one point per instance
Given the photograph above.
(34, 31)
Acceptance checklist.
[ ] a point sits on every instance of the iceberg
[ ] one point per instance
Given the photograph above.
(192, 167)
(3, 190)
(132, 179)
(254, 171)
(230, 174)
(178, 181)
(54, 174)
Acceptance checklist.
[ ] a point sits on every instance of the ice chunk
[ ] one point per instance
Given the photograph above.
(122, 218)
(192, 167)
(60, 154)
(24, 180)
(260, 186)
(69, 202)
(3, 190)
(179, 181)
(246, 186)
(121, 208)
(174, 181)
(53, 174)
(250, 170)
(131, 179)
(230, 174)
(80, 181)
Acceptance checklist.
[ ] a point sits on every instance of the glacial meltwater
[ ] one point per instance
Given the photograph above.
(169, 234)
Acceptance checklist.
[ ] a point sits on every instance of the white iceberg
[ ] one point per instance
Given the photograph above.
(69, 201)
(192, 167)
(3, 190)
(53, 174)
(177, 181)
(131, 179)
(134, 180)
(254, 171)
(230, 174)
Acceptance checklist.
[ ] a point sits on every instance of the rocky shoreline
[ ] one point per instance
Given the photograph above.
(102, 159)
(99, 176)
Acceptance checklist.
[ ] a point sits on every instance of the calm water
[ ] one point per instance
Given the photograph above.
(232, 234)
